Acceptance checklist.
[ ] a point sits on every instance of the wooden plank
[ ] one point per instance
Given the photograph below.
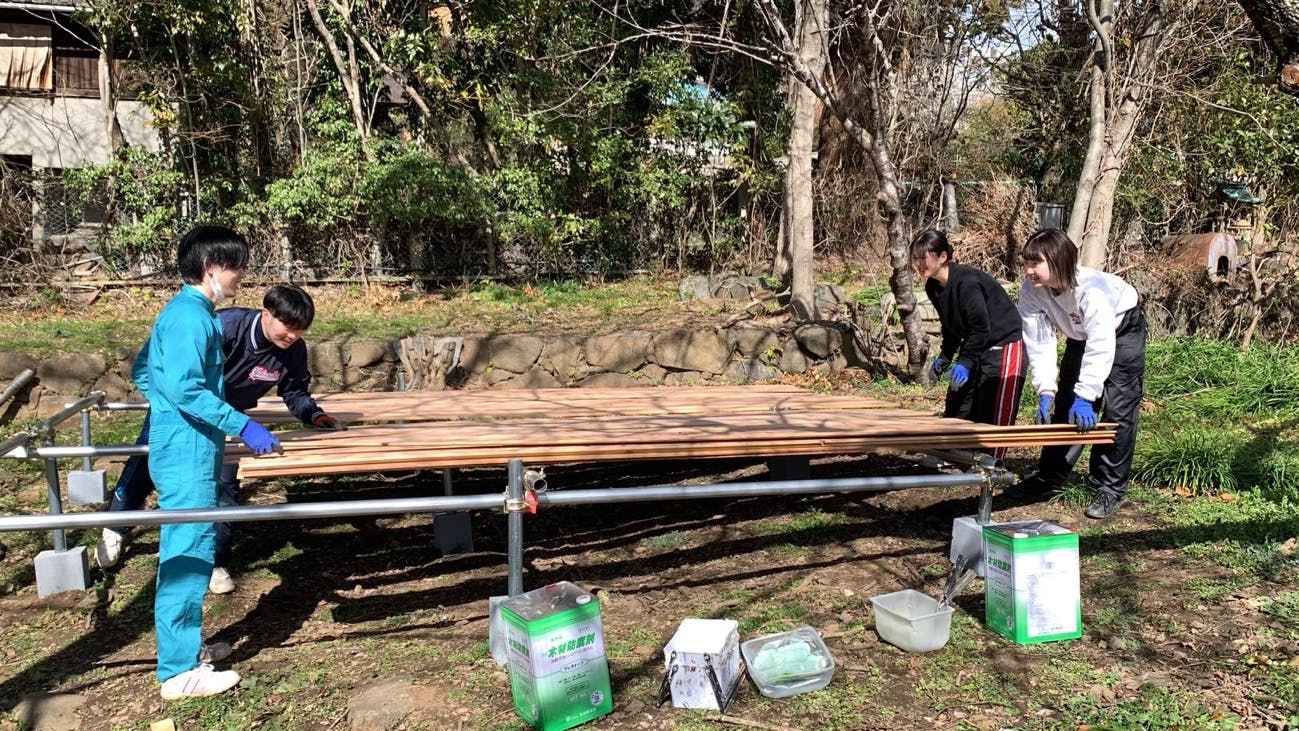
(475, 428)
(654, 429)
(451, 457)
(449, 405)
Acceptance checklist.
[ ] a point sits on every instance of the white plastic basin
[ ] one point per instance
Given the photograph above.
(912, 621)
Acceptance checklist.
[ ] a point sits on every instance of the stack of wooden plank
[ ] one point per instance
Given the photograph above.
(563, 402)
(477, 428)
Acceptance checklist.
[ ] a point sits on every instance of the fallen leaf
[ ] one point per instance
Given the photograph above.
(1227, 497)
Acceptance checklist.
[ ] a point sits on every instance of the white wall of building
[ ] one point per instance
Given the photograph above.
(66, 132)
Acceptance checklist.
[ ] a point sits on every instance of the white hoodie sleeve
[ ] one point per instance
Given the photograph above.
(1100, 320)
(1039, 339)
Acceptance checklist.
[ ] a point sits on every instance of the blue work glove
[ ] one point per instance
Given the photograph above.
(259, 439)
(1045, 405)
(1082, 415)
(937, 366)
(960, 374)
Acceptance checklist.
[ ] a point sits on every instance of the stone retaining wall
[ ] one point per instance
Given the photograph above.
(498, 361)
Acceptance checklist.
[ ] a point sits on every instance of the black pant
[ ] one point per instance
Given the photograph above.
(991, 396)
(1121, 402)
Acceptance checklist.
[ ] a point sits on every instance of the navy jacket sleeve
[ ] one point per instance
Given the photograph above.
(295, 385)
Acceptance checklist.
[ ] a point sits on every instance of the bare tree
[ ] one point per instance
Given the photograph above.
(1122, 69)
(873, 137)
(795, 253)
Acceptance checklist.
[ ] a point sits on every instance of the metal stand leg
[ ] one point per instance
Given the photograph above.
(60, 569)
(452, 532)
(86, 486)
(789, 468)
(514, 525)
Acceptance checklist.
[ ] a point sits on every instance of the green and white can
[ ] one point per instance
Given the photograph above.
(1031, 591)
(558, 673)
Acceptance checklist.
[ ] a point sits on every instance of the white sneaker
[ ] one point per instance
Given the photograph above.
(220, 583)
(214, 652)
(108, 550)
(198, 682)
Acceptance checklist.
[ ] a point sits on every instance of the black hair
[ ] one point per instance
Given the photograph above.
(290, 305)
(1059, 252)
(931, 241)
(206, 246)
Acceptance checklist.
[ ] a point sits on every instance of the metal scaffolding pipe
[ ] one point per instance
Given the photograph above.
(397, 506)
(18, 441)
(250, 513)
(85, 439)
(124, 450)
(46, 427)
(514, 527)
(16, 384)
(56, 503)
(750, 489)
(123, 406)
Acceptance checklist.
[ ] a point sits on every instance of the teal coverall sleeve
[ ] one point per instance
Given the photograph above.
(178, 349)
(140, 370)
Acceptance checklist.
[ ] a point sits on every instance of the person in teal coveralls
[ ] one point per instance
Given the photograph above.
(179, 370)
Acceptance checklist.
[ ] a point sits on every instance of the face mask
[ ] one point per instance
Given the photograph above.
(218, 293)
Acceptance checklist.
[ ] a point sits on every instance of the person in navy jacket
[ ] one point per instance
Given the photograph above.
(262, 349)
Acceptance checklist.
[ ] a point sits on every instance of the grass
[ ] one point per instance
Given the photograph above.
(1153, 708)
(671, 539)
(1212, 378)
(810, 521)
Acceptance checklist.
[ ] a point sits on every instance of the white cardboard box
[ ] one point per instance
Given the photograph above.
(701, 650)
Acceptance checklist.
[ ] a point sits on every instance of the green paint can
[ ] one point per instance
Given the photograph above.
(558, 673)
(1031, 590)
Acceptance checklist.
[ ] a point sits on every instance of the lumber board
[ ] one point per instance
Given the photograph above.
(368, 461)
(452, 405)
(653, 429)
(438, 429)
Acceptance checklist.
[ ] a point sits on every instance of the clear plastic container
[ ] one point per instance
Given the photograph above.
(912, 620)
(786, 663)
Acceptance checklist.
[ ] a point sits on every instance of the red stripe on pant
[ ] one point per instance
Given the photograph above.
(1009, 384)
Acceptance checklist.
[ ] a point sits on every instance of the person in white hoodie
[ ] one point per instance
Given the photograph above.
(1103, 365)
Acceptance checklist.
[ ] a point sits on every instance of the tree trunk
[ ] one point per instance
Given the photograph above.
(1114, 110)
(1278, 22)
(108, 98)
(348, 74)
(796, 249)
(899, 242)
(875, 142)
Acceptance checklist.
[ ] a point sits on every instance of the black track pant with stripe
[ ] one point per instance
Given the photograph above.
(991, 396)
(1120, 402)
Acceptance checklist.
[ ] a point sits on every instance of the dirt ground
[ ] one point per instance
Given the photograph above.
(329, 614)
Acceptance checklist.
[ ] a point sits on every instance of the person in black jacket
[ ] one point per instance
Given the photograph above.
(982, 336)
(263, 349)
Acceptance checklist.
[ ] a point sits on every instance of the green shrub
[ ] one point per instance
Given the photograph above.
(1197, 457)
(1271, 464)
(1213, 378)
